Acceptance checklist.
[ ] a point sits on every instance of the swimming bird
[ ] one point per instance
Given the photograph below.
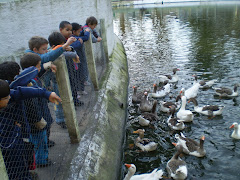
(209, 110)
(171, 78)
(236, 131)
(136, 97)
(176, 167)
(147, 117)
(191, 92)
(165, 105)
(173, 122)
(190, 146)
(145, 104)
(227, 92)
(204, 84)
(183, 114)
(144, 143)
(154, 175)
(162, 92)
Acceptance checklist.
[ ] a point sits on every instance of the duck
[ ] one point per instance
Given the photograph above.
(161, 92)
(145, 104)
(236, 132)
(209, 110)
(176, 167)
(227, 92)
(144, 143)
(147, 117)
(136, 97)
(165, 105)
(204, 84)
(154, 175)
(171, 78)
(173, 122)
(190, 146)
(191, 92)
(183, 114)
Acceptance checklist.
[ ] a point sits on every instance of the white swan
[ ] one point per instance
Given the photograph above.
(173, 122)
(236, 132)
(154, 175)
(183, 114)
(171, 79)
(227, 92)
(144, 143)
(190, 146)
(209, 110)
(176, 167)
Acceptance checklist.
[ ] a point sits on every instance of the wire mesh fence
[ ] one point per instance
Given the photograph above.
(34, 133)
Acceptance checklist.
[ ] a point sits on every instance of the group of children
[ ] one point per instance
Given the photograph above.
(25, 119)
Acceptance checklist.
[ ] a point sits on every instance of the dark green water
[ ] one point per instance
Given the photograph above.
(198, 39)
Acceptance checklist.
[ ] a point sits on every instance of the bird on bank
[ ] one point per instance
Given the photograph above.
(236, 131)
(209, 110)
(154, 175)
(190, 146)
(144, 143)
(173, 122)
(227, 92)
(176, 167)
(171, 78)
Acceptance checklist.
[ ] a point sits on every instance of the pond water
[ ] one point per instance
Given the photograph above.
(197, 39)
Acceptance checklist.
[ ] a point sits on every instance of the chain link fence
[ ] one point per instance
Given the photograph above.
(36, 135)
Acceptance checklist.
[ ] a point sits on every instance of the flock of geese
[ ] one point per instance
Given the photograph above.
(176, 167)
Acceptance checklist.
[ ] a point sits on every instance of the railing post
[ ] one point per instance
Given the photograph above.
(67, 99)
(3, 171)
(104, 38)
(91, 62)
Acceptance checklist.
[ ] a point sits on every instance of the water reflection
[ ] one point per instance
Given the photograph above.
(202, 40)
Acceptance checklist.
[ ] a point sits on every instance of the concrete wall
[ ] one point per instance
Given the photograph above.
(104, 138)
(20, 20)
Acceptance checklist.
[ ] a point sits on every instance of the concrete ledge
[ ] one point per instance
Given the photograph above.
(99, 153)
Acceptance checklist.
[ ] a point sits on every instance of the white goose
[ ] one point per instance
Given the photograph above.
(227, 92)
(190, 146)
(165, 105)
(191, 92)
(209, 110)
(154, 175)
(204, 84)
(144, 143)
(176, 167)
(145, 104)
(183, 114)
(161, 92)
(236, 132)
(171, 78)
(173, 122)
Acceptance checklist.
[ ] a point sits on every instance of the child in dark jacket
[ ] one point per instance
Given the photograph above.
(11, 139)
(82, 74)
(37, 112)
